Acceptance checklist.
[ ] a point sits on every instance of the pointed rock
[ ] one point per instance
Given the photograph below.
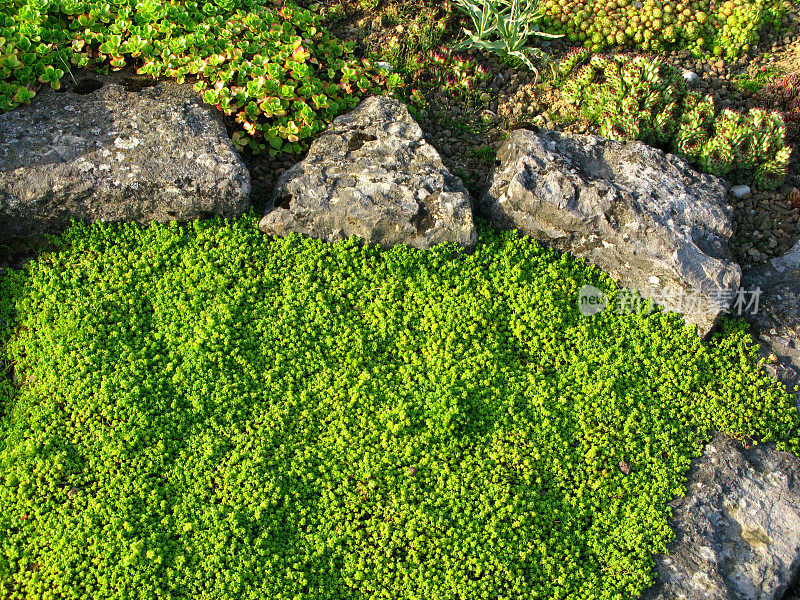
(372, 174)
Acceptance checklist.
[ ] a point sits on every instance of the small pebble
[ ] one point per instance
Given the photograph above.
(740, 191)
(689, 76)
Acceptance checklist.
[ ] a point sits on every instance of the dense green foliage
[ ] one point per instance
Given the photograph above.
(276, 70)
(728, 28)
(642, 98)
(203, 412)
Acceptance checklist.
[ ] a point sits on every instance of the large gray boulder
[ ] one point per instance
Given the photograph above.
(776, 323)
(640, 214)
(158, 154)
(372, 174)
(737, 528)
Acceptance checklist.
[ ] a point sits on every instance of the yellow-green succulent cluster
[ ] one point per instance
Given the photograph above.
(635, 97)
(729, 28)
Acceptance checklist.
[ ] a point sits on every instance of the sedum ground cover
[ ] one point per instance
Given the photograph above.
(204, 412)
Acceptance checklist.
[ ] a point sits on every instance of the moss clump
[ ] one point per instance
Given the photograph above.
(202, 411)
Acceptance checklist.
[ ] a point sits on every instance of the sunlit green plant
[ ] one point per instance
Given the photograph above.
(438, 72)
(275, 71)
(201, 411)
(504, 27)
(727, 28)
(635, 97)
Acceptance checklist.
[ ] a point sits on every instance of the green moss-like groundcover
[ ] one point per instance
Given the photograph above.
(204, 412)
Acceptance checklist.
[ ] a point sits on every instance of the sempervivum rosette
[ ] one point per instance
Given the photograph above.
(716, 156)
(621, 128)
(689, 142)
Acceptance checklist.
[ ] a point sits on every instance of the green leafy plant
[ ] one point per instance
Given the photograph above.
(441, 72)
(202, 411)
(486, 153)
(753, 82)
(510, 22)
(635, 97)
(275, 71)
(31, 51)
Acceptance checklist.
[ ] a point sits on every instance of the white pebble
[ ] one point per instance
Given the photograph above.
(689, 76)
(740, 191)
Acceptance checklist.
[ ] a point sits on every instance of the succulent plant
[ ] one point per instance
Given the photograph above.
(442, 70)
(620, 127)
(625, 85)
(716, 156)
(728, 28)
(771, 175)
(665, 123)
(744, 147)
(783, 95)
(637, 97)
(283, 80)
(793, 198)
(689, 143)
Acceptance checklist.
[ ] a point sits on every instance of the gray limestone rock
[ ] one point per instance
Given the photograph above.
(642, 215)
(776, 322)
(737, 528)
(372, 174)
(158, 154)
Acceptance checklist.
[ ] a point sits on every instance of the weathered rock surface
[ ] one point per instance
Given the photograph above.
(640, 214)
(737, 529)
(372, 174)
(776, 323)
(158, 154)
